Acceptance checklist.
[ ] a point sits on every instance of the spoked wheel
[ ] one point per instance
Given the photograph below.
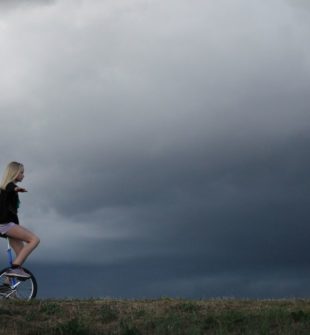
(17, 288)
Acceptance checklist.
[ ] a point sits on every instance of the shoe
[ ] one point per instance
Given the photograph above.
(17, 272)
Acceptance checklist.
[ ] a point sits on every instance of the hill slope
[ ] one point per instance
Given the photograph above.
(162, 316)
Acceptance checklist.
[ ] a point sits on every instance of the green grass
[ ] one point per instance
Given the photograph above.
(159, 317)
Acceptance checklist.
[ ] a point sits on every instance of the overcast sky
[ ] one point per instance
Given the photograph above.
(165, 144)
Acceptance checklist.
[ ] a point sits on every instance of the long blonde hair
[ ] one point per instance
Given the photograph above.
(10, 174)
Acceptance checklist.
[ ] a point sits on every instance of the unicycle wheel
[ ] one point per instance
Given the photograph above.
(17, 288)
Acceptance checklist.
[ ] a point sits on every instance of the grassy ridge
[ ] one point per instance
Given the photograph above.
(163, 316)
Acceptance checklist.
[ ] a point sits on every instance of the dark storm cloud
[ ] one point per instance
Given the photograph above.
(243, 232)
(162, 277)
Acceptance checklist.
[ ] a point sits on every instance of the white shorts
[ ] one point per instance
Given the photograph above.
(4, 228)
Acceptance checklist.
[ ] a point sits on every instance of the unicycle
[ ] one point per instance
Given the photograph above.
(14, 287)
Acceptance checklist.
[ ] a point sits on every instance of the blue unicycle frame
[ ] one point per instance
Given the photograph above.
(13, 280)
(9, 253)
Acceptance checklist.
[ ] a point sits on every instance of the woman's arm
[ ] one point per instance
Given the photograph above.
(11, 187)
(20, 189)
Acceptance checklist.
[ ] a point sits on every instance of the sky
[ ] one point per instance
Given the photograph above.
(165, 145)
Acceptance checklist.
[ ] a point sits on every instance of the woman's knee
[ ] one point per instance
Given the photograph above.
(37, 240)
(34, 240)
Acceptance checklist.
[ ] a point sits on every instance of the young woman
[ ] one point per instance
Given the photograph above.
(22, 240)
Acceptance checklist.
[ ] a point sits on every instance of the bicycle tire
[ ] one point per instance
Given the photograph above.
(18, 288)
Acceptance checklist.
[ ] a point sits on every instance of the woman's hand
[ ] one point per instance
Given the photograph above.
(20, 189)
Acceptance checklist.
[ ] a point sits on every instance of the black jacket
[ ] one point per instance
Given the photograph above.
(9, 204)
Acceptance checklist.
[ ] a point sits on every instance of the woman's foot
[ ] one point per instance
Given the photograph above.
(17, 272)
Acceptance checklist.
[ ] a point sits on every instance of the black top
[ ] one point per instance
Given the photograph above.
(12, 204)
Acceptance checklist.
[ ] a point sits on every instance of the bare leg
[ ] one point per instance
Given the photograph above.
(21, 234)
(17, 245)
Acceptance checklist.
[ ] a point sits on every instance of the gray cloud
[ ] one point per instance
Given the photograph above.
(301, 4)
(23, 4)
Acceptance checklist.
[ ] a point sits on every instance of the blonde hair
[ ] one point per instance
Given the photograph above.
(10, 174)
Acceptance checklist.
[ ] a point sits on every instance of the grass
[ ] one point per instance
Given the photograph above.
(159, 317)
